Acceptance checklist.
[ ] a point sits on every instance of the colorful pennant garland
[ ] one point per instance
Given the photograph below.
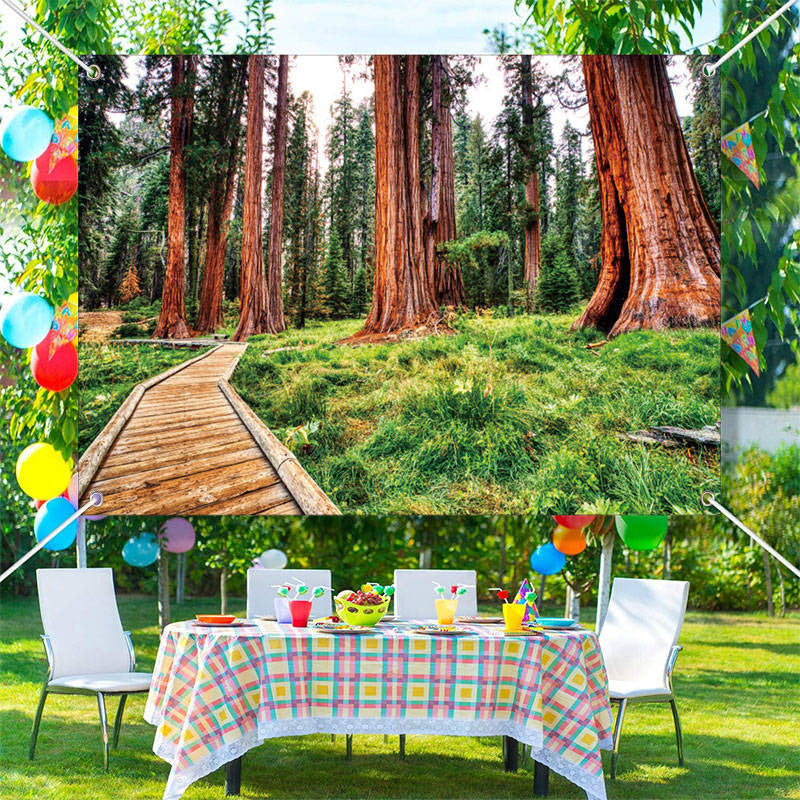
(738, 147)
(738, 333)
(65, 323)
(65, 138)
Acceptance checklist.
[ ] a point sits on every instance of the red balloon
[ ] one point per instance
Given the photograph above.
(576, 521)
(54, 185)
(58, 372)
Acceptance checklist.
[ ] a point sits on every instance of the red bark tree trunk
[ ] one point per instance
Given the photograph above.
(404, 294)
(533, 229)
(172, 322)
(660, 246)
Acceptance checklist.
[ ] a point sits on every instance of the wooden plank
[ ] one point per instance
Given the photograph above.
(139, 443)
(157, 456)
(260, 501)
(178, 422)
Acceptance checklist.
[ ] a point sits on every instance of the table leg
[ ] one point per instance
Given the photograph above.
(541, 779)
(233, 777)
(510, 754)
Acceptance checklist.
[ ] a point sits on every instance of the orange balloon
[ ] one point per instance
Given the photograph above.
(569, 541)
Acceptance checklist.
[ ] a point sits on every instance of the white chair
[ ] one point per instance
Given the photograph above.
(88, 653)
(414, 597)
(261, 591)
(639, 641)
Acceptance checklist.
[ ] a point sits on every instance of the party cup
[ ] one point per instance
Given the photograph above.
(282, 613)
(300, 611)
(446, 610)
(513, 614)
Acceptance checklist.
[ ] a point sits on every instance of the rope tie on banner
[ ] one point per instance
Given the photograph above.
(95, 499)
(92, 70)
(708, 499)
(710, 69)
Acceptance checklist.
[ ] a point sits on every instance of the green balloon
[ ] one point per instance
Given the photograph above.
(642, 532)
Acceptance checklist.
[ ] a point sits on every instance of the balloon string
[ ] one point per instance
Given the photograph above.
(95, 500)
(708, 499)
(92, 70)
(710, 69)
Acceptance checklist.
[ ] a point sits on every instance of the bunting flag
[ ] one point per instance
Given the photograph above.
(738, 333)
(65, 323)
(65, 138)
(520, 597)
(738, 146)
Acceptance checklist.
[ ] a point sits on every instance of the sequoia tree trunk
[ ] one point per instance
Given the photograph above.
(220, 206)
(533, 228)
(275, 319)
(172, 322)
(404, 293)
(660, 246)
(253, 281)
(440, 223)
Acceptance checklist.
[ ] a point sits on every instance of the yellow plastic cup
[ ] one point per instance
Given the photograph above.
(513, 614)
(446, 610)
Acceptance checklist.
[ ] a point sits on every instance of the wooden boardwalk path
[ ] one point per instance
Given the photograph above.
(184, 442)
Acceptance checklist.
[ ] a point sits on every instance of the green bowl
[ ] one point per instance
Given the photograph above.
(354, 614)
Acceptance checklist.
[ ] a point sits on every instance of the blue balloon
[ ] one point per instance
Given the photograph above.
(25, 133)
(52, 514)
(141, 550)
(25, 319)
(546, 560)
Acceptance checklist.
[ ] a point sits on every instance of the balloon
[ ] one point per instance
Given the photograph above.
(178, 535)
(72, 490)
(42, 472)
(94, 517)
(642, 532)
(576, 521)
(141, 550)
(25, 133)
(546, 560)
(57, 372)
(273, 559)
(54, 180)
(52, 514)
(25, 319)
(569, 540)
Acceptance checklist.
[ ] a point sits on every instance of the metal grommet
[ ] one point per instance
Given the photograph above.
(96, 498)
(93, 73)
(707, 498)
(710, 69)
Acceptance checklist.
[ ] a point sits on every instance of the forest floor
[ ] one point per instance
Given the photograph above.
(97, 326)
(509, 415)
(736, 684)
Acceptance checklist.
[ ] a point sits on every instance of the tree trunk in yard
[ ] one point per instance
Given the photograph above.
(172, 320)
(223, 591)
(666, 571)
(404, 293)
(768, 584)
(275, 319)
(660, 246)
(440, 222)
(220, 207)
(163, 589)
(533, 226)
(253, 285)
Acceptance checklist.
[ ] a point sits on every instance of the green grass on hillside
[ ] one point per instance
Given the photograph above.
(505, 415)
(736, 681)
(109, 372)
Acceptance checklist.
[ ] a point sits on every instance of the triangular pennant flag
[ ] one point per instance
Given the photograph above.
(738, 333)
(65, 323)
(738, 146)
(65, 138)
(521, 596)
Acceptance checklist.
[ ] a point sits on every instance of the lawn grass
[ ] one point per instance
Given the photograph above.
(512, 415)
(108, 372)
(736, 681)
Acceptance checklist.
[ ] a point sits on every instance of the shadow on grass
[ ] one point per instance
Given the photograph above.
(777, 649)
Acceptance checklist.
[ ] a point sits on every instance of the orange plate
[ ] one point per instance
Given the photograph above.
(216, 619)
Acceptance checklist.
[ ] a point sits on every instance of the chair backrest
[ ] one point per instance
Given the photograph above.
(641, 627)
(81, 620)
(414, 596)
(261, 594)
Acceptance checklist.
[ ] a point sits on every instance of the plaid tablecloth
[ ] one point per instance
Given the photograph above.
(217, 692)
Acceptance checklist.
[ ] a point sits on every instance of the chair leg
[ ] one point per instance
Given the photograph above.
(617, 732)
(36, 720)
(678, 733)
(101, 707)
(403, 746)
(118, 720)
(348, 738)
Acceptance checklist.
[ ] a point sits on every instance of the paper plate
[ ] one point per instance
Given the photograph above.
(440, 630)
(480, 620)
(343, 628)
(236, 623)
(554, 623)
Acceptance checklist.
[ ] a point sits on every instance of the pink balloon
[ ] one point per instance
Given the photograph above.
(72, 490)
(93, 517)
(178, 534)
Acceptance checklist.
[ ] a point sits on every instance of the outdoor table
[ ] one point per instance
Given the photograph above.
(220, 691)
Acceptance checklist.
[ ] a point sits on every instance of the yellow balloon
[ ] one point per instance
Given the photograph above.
(42, 472)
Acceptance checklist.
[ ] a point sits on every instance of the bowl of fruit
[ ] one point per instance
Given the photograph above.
(367, 606)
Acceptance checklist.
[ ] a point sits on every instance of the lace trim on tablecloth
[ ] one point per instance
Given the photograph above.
(593, 785)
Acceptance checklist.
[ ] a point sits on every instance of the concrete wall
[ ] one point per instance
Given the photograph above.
(766, 427)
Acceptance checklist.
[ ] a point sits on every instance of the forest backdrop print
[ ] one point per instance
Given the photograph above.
(485, 229)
